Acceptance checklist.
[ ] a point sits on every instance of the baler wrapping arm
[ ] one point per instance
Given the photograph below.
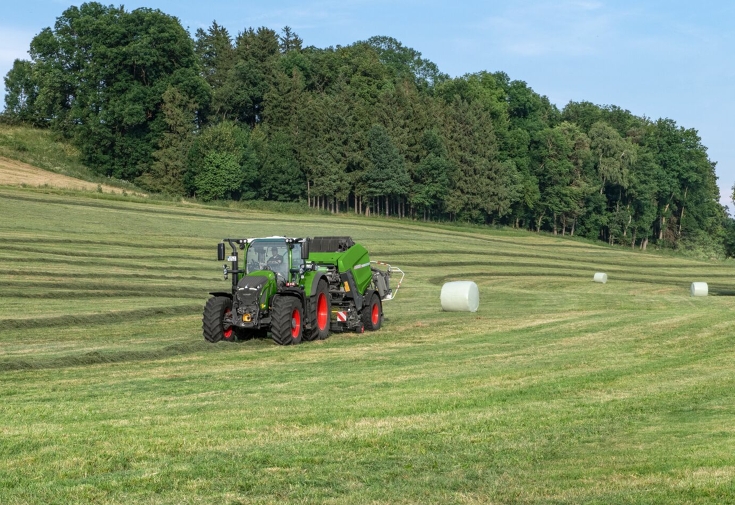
(391, 293)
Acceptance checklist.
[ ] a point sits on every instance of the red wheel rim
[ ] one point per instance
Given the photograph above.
(376, 314)
(295, 323)
(227, 332)
(321, 311)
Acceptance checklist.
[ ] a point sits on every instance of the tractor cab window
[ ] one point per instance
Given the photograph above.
(268, 254)
(296, 260)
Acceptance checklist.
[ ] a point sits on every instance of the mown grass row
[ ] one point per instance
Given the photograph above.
(558, 390)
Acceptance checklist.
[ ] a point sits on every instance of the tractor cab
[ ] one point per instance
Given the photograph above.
(276, 255)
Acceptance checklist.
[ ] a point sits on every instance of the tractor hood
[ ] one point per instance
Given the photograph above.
(250, 287)
(251, 298)
(252, 282)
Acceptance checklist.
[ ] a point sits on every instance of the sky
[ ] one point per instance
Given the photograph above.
(660, 59)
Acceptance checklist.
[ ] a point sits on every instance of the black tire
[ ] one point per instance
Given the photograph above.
(372, 313)
(212, 320)
(287, 320)
(320, 308)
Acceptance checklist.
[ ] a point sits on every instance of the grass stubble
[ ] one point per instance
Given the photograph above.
(558, 390)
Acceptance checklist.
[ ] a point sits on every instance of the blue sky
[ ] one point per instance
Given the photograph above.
(672, 59)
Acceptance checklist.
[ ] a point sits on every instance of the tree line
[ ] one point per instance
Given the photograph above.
(370, 128)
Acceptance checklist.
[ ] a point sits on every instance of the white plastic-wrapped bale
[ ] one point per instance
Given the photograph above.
(600, 277)
(460, 296)
(699, 289)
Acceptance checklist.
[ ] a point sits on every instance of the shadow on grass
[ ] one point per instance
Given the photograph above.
(97, 318)
(97, 358)
(128, 356)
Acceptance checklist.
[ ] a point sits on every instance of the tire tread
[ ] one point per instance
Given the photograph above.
(212, 318)
(281, 320)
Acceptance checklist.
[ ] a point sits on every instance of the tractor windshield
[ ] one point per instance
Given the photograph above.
(268, 254)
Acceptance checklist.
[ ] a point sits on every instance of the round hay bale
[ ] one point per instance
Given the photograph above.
(699, 289)
(600, 277)
(460, 296)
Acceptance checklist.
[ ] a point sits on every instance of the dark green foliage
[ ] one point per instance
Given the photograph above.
(216, 56)
(370, 127)
(529, 110)
(256, 53)
(101, 75)
(562, 155)
(406, 63)
(289, 41)
(219, 176)
(222, 164)
(21, 92)
(432, 176)
(484, 187)
(280, 178)
(386, 175)
(728, 230)
(166, 173)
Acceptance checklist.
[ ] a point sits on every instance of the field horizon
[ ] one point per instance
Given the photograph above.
(558, 390)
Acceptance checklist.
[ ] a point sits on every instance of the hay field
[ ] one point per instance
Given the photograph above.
(17, 173)
(558, 390)
(39, 158)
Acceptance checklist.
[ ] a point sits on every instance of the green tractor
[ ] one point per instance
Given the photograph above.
(297, 289)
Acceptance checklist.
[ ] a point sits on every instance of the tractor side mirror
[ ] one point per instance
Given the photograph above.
(305, 249)
(221, 251)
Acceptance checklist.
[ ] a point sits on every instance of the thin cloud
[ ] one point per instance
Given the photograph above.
(574, 28)
(590, 5)
(319, 14)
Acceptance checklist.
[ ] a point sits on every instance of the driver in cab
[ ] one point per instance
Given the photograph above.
(277, 265)
(275, 259)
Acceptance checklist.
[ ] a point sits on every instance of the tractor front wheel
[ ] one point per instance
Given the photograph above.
(372, 314)
(213, 325)
(287, 320)
(320, 307)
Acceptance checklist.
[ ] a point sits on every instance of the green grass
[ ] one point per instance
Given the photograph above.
(558, 390)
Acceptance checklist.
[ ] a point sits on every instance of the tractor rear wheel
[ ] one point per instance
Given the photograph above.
(287, 320)
(320, 307)
(213, 319)
(372, 314)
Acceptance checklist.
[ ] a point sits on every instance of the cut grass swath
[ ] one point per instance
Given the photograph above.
(558, 390)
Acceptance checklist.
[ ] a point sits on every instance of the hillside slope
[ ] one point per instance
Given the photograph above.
(36, 157)
(17, 173)
(557, 390)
